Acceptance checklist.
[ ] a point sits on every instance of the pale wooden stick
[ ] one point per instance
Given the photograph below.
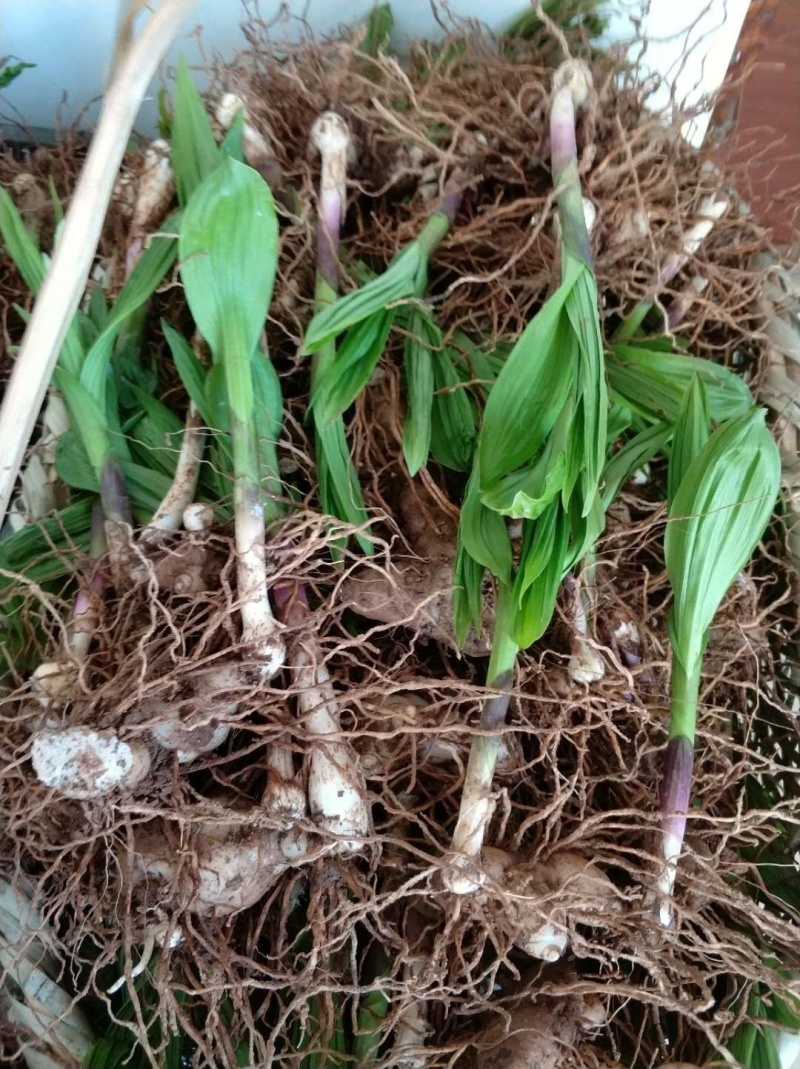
(66, 277)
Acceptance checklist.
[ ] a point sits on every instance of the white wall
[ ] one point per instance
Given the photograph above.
(71, 41)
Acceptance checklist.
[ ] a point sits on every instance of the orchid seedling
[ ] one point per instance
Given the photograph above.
(539, 459)
(723, 489)
(366, 316)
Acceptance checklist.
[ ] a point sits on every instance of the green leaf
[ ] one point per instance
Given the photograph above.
(87, 418)
(716, 519)
(531, 389)
(654, 383)
(398, 282)
(351, 368)
(191, 371)
(422, 336)
(454, 424)
(692, 429)
(339, 489)
(369, 1027)
(467, 594)
(538, 543)
(228, 288)
(585, 529)
(30, 263)
(45, 552)
(164, 116)
(194, 153)
(377, 29)
(637, 451)
(145, 278)
(536, 588)
(9, 72)
(72, 464)
(233, 142)
(484, 535)
(581, 307)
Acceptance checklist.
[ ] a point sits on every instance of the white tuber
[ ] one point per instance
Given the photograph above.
(198, 517)
(231, 864)
(82, 763)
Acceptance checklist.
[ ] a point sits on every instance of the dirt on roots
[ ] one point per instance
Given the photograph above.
(584, 761)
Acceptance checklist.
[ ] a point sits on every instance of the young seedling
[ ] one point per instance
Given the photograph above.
(336, 788)
(228, 293)
(339, 488)
(540, 458)
(723, 490)
(366, 316)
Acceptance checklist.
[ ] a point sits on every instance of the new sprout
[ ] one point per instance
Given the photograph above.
(724, 495)
(540, 458)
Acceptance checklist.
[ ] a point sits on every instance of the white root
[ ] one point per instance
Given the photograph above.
(585, 664)
(336, 788)
(412, 1026)
(180, 496)
(284, 797)
(260, 630)
(82, 763)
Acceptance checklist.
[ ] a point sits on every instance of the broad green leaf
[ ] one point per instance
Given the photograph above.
(194, 152)
(398, 282)
(525, 494)
(620, 420)
(228, 288)
(654, 383)
(634, 454)
(484, 534)
(21, 247)
(692, 430)
(420, 339)
(531, 389)
(584, 531)
(72, 464)
(97, 310)
(30, 550)
(351, 369)
(9, 72)
(454, 424)
(716, 519)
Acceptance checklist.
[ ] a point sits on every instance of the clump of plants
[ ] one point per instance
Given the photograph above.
(394, 603)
